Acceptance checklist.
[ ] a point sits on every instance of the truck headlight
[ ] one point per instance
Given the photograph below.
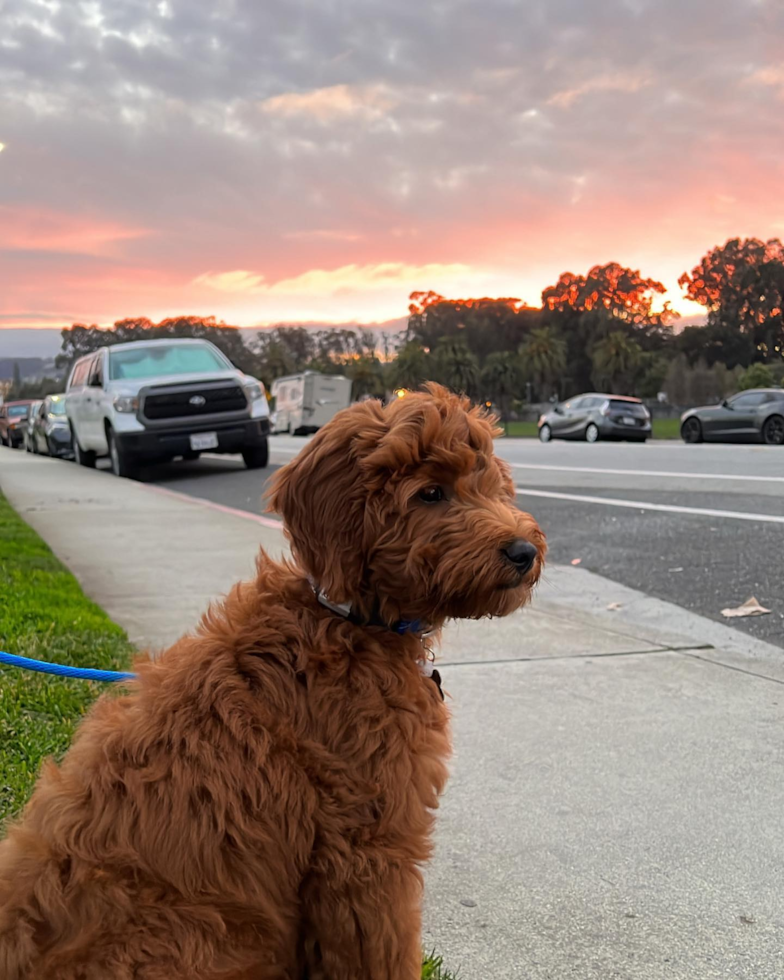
(126, 403)
(254, 390)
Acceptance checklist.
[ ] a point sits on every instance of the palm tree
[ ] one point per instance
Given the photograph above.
(456, 366)
(616, 361)
(543, 358)
(411, 367)
(501, 379)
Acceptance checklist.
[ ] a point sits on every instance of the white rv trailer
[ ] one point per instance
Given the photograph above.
(304, 402)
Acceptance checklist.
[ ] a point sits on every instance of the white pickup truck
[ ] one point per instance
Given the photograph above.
(152, 400)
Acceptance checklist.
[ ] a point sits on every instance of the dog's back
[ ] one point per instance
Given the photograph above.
(175, 837)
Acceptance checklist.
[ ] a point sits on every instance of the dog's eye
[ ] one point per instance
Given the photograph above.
(431, 495)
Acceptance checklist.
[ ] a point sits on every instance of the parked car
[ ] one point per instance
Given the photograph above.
(152, 400)
(50, 431)
(595, 416)
(13, 415)
(756, 415)
(27, 425)
(304, 402)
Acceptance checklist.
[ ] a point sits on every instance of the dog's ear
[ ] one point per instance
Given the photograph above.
(321, 496)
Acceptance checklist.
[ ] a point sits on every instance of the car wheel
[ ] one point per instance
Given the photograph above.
(123, 464)
(545, 433)
(691, 431)
(83, 457)
(256, 457)
(591, 432)
(773, 431)
(191, 456)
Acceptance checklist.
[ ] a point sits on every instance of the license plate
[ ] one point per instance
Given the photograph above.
(628, 420)
(204, 440)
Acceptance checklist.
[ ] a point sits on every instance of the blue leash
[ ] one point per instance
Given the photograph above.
(81, 673)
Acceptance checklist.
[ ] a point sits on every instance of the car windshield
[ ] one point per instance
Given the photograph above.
(153, 362)
(17, 411)
(57, 407)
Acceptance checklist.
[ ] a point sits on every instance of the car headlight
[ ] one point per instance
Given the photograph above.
(126, 403)
(254, 390)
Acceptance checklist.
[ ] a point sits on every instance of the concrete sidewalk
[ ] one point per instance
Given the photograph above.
(615, 806)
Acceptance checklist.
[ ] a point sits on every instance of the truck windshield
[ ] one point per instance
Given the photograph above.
(163, 359)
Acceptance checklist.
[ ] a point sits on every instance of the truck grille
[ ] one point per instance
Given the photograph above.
(194, 402)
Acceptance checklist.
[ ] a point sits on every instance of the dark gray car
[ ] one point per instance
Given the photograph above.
(756, 415)
(595, 416)
(51, 433)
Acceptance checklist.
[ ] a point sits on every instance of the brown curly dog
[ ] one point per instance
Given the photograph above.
(260, 804)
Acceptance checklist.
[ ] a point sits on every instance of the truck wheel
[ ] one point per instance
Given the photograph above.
(123, 464)
(82, 456)
(256, 457)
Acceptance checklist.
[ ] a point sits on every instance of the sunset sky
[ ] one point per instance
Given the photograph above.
(317, 160)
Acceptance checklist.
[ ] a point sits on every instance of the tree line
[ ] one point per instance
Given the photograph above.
(604, 330)
(600, 330)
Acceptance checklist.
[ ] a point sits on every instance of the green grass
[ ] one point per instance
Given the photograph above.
(522, 430)
(662, 429)
(666, 428)
(44, 614)
(433, 969)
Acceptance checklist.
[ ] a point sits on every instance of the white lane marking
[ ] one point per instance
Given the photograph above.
(643, 505)
(233, 511)
(665, 473)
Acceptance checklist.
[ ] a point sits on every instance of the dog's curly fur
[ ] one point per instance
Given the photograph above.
(257, 808)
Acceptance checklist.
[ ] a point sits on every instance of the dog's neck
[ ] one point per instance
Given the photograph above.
(401, 626)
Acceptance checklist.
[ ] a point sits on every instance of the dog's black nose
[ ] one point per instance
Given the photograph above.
(521, 553)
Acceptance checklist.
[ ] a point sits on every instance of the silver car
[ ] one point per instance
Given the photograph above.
(594, 416)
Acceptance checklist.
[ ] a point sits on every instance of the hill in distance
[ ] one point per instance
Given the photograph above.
(20, 342)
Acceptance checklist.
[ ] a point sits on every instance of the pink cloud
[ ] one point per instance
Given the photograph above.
(37, 229)
(336, 102)
(608, 82)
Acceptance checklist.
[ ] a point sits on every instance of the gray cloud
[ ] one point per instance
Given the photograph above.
(302, 131)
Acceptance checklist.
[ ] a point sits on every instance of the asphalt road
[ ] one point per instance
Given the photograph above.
(700, 526)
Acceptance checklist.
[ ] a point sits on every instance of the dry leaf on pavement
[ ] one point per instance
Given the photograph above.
(749, 608)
